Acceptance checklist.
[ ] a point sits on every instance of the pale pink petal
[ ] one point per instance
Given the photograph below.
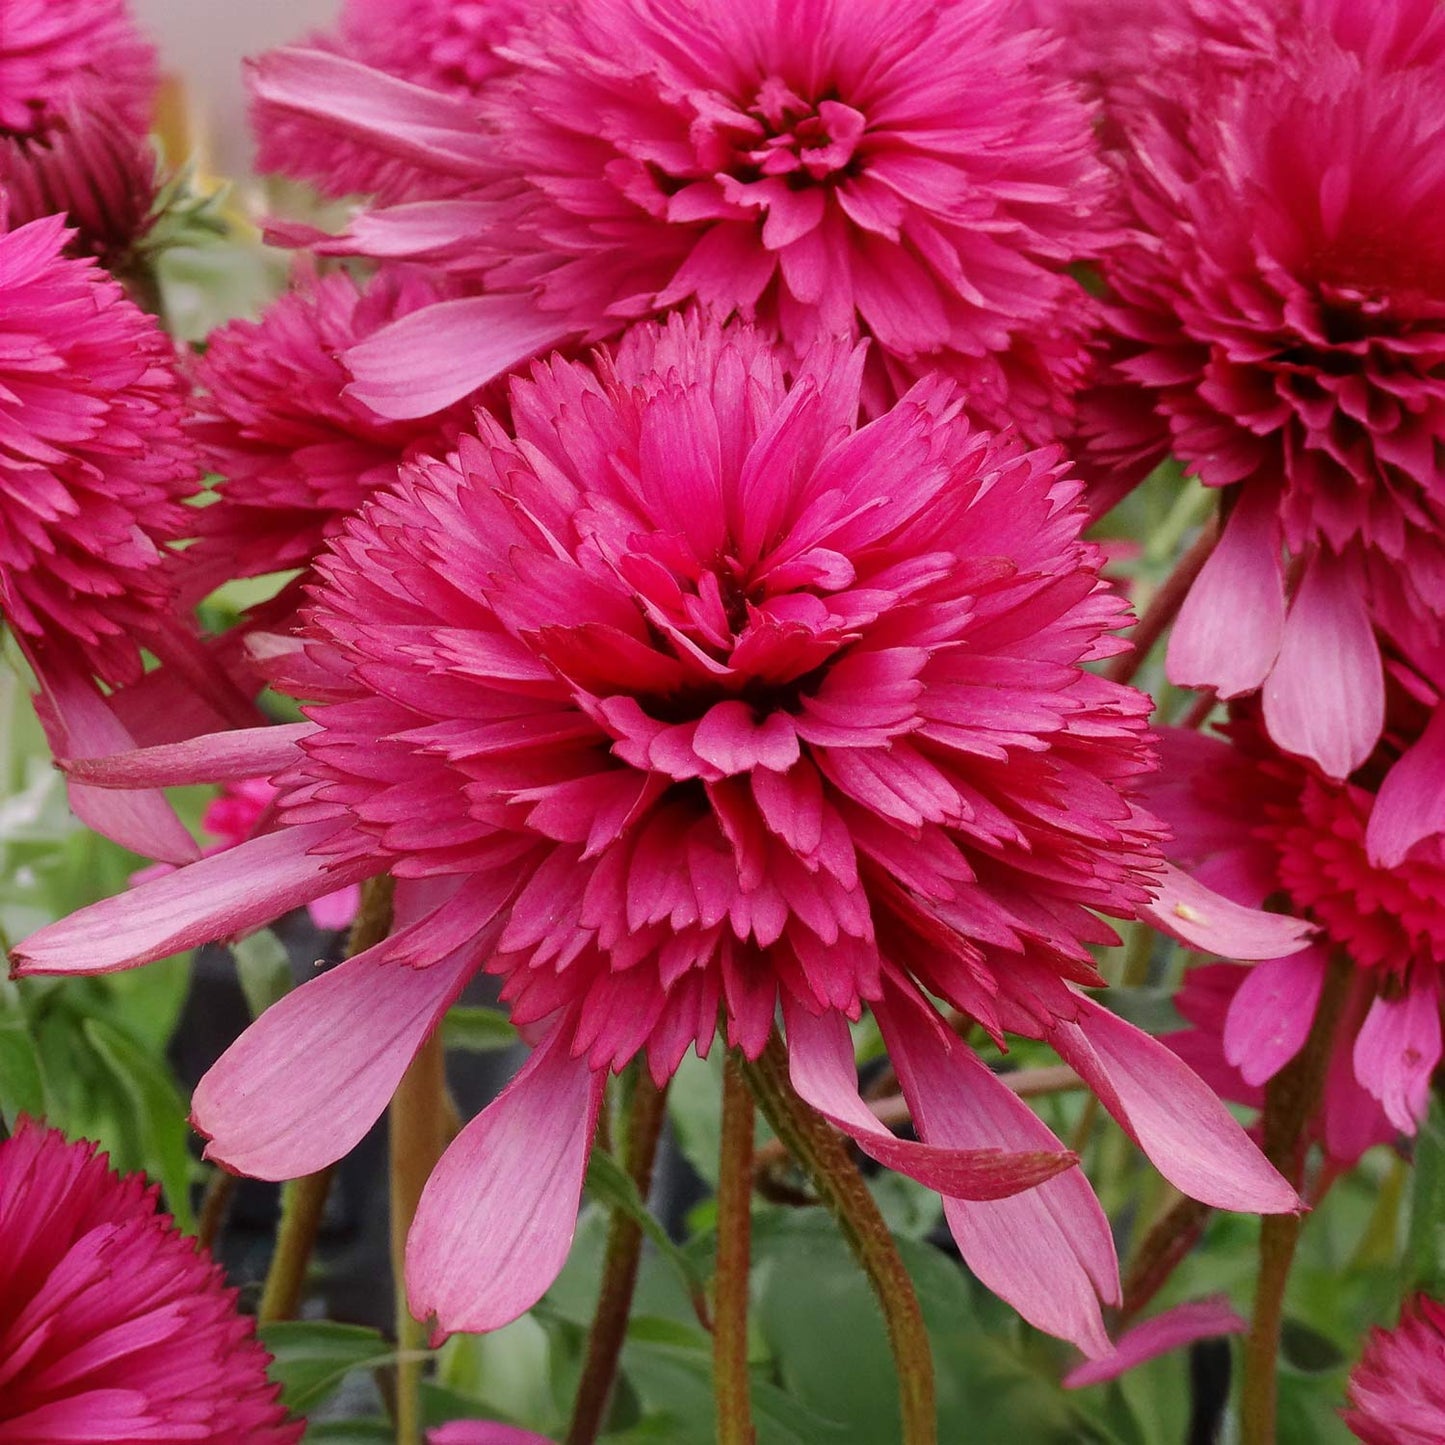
(306, 1081)
(217, 758)
(1411, 802)
(83, 724)
(1048, 1251)
(1228, 631)
(1170, 1112)
(482, 1432)
(1325, 699)
(336, 910)
(405, 120)
(218, 897)
(439, 354)
(1185, 909)
(1271, 1015)
(1183, 1325)
(1396, 1051)
(496, 1219)
(820, 1064)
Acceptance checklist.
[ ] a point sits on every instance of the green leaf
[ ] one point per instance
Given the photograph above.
(1425, 1243)
(351, 1432)
(22, 1087)
(477, 1030)
(159, 1114)
(263, 969)
(312, 1357)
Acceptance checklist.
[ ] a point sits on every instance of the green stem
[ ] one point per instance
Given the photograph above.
(822, 1154)
(646, 1114)
(1289, 1101)
(734, 1249)
(303, 1202)
(215, 1205)
(417, 1134)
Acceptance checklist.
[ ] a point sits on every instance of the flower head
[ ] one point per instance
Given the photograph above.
(1264, 824)
(835, 167)
(294, 450)
(94, 467)
(59, 54)
(1283, 313)
(1397, 1391)
(113, 1324)
(689, 697)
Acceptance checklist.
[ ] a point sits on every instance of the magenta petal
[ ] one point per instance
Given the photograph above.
(439, 354)
(218, 897)
(85, 725)
(497, 1217)
(216, 758)
(1185, 909)
(820, 1064)
(1228, 631)
(1396, 1051)
(1048, 1251)
(1411, 802)
(1271, 1014)
(306, 1081)
(1169, 1111)
(1198, 1320)
(1325, 699)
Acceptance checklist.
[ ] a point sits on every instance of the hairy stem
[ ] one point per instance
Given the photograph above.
(1289, 1101)
(734, 1248)
(215, 1206)
(303, 1202)
(645, 1118)
(820, 1151)
(1164, 606)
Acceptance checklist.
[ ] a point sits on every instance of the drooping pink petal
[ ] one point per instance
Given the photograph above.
(1228, 631)
(1172, 1115)
(1397, 1049)
(820, 1064)
(1411, 802)
(482, 1432)
(434, 357)
(1196, 915)
(1325, 698)
(497, 1216)
(217, 897)
(1271, 1014)
(1048, 1251)
(218, 758)
(1182, 1325)
(337, 1045)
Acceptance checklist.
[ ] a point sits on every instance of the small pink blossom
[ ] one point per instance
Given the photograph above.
(1397, 1391)
(690, 697)
(114, 1325)
(909, 174)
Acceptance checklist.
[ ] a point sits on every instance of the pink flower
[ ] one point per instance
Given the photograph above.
(1281, 313)
(695, 697)
(114, 1325)
(296, 452)
(1259, 823)
(94, 474)
(1397, 1391)
(58, 54)
(899, 172)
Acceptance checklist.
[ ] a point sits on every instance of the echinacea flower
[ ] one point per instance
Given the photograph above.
(1283, 313)
(1397, 1391)
(57, 55)
(691, 697)
(113, 1324)
(1257, 823)
(830, 167)
(294, 450)
(94, 473)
